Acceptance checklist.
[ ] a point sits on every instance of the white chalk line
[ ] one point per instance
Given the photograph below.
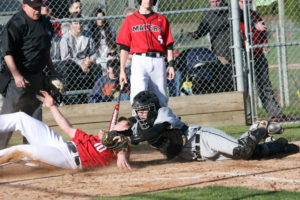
(212, 175)
(260, 177)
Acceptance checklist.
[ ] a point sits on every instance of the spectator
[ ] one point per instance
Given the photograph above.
(216, 23)
(26, 48)
(75, 7)
(261, 70)
(149, 43)
(106, 87)
(104, 36)
(78, 57)
(76, 47)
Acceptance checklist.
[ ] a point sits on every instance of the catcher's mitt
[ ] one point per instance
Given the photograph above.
(54, 84)
(115, 145)
(55, 87)
(170, 143)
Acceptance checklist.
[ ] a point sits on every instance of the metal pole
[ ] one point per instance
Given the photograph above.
(248, 57)
(237, 44)
(283, 52)
(279, 67)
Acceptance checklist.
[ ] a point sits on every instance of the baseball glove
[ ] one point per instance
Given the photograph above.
(55, 87)
(115, 145)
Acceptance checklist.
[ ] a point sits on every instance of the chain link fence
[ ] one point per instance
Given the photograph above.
(273, 59)
(204, 57)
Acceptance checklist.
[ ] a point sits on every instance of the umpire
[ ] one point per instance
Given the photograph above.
(26, 50)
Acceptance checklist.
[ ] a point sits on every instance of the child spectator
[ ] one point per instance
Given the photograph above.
(107, 86)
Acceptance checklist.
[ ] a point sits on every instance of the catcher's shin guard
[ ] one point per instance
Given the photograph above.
(270, 148)
(248, 144)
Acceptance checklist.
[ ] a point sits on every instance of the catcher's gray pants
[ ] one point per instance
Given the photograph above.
(206, 143)
(44, 144)
(30, 104)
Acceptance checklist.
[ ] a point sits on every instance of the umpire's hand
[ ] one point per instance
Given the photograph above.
(20, 81)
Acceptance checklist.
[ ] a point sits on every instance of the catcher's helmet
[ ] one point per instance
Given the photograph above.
(154, 2)
(146, 100)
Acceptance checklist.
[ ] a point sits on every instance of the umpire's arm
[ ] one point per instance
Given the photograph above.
(20, 81)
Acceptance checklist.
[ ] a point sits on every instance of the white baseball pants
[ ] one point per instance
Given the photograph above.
(44, 144)
(149, 73)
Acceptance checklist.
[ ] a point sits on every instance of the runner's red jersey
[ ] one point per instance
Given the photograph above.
(91, 151)
(143, 34)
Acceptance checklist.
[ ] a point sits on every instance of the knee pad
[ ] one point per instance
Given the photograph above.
(245, 149)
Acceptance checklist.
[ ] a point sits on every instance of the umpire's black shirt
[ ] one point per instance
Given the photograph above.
(28, 41)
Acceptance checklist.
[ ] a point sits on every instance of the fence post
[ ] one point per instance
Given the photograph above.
(237, 44)
(279, 67)
(283, 52)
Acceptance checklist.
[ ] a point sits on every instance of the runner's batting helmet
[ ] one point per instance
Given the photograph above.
(154, 2)
(146, 100)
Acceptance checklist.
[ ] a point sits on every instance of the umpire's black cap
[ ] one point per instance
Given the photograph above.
(33, 3)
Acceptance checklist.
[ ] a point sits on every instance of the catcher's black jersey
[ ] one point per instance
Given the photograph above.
(171, 140)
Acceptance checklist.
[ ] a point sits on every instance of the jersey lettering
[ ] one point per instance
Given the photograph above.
(146, 27)
(100, 147)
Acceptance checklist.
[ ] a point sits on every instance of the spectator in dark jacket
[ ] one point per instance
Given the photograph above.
(261, 70)
(216, 23)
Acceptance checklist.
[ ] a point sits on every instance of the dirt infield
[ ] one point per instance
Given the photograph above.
(151, 173)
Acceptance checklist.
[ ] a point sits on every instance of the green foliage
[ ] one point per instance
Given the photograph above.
(291, 9)
(210, 193)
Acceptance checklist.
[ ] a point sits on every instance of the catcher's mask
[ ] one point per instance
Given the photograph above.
(147, 102)
(154, 2)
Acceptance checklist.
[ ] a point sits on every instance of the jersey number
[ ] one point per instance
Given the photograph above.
(100, 147)
(160, 39)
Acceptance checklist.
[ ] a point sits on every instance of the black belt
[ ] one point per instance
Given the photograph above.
(73, 148)
(151, 54)
(197, 147)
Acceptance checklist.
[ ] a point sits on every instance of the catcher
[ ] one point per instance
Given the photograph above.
(168, 134)
(83, 151)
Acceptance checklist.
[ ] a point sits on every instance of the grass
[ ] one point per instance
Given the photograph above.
(210, 193)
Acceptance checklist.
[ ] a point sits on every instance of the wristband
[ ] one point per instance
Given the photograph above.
(170, 63)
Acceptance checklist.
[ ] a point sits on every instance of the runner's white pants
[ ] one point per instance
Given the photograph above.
(149, 73)
(44, 144)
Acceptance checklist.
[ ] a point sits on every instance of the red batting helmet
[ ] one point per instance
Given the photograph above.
(154, 2)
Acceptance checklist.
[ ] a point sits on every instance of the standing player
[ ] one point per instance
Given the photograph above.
(147, 35)
(166, 132)
(46, 146)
